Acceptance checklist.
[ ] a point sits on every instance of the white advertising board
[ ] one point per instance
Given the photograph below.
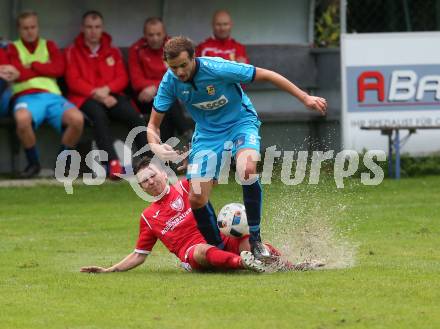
(390, 79)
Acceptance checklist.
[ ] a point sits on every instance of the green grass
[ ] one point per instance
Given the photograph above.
(394, 280)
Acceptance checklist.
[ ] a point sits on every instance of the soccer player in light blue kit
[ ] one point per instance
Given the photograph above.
(210, 89)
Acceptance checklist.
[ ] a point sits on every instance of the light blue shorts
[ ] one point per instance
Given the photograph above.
(209, 149)
(44, 107)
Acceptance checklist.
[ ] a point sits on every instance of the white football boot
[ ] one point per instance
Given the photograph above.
(251, 263)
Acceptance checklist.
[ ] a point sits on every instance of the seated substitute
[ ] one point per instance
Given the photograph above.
(221, 44)
(146, 68)
(36, 94)
(96, 78)
(170, 220)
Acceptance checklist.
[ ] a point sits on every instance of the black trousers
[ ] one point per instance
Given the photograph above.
(174, 122)
(101, 116)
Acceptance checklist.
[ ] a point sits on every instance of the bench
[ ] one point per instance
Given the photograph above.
(296, 62)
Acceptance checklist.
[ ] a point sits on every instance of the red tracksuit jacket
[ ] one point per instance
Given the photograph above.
(146, 65)
(3, 57)
(87, 71)
(228, 49)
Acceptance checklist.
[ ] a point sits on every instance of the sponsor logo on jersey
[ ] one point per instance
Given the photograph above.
(173, 222)
(210, 90)
(157, 214)
(110, 61)
(177, 204)
(212, 105)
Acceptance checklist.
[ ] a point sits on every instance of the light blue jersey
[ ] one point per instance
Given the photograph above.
(213, 97)
(226, 120)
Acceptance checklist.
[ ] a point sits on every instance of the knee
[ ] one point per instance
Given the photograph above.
(23, 119)
(247, 170)
(74, 119)
(197, 200)
(200, 253)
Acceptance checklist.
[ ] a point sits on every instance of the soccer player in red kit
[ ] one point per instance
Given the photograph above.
(170, 220)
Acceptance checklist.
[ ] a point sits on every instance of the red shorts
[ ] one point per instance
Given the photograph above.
(231, 244)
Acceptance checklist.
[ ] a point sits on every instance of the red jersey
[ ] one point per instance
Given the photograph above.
(87, 70)
(146, 65)
(228, 49)
(170, 220)
(54, 68)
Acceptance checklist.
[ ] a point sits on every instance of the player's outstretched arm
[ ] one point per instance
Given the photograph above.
(131, 261)
(164, 151)
(153, 133)
(318, 104)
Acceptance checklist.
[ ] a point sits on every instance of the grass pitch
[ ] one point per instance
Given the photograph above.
(382, 245)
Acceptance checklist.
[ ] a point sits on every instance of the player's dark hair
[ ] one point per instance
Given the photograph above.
(92, 13)
(144, 162)
(25, 14)
(175, 46)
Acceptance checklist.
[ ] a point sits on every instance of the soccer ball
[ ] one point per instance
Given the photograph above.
(232, 220)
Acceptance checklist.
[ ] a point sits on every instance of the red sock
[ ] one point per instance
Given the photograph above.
(274, 251)
(223, 259)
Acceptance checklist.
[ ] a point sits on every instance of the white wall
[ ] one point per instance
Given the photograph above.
(5, 22)
(256, 22)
